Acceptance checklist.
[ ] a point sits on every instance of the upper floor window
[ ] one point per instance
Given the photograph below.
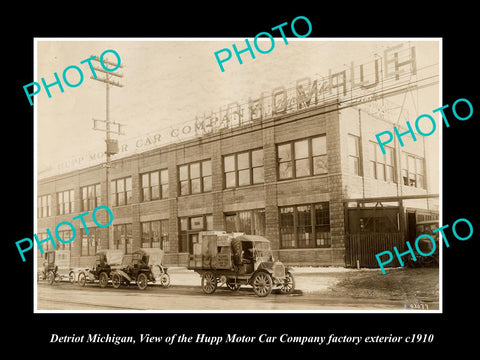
(245, 168)
(195, 178)
(302, 158)
(354, 154)
(413, 172)
(44, 206)
(121, 191)
(382, 166)
(65, 201)
(155, 185)
(90, 197)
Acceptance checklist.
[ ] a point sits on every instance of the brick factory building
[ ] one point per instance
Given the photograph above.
(286, 177)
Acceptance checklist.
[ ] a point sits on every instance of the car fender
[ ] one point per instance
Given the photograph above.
(121, 273)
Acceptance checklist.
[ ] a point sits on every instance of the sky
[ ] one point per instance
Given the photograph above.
(168, 82)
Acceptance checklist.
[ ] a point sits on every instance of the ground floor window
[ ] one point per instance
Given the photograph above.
(305, 226)
(155, 234)
(250, 222)
(90, 241)
(189, 227)
(122, 237)
(65, 235)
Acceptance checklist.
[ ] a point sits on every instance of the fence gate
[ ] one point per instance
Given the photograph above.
(361, 248)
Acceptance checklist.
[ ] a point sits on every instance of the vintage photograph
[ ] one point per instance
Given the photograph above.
(172, 179)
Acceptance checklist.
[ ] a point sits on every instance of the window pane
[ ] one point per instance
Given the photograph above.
(285, 170)
(165, 191)
(372, 151)
(389, 156)
(195, 186)
(411, 164)
(154, 178)
(322, 214)
(120, 185)
(145, 180)
(164, 177)
(184, 188)
(194, 170)
(229, 163)
(304, 226)
(183, 172)
(155, 192)
(258, 175)
(389, 173)
(319, 145)
(230, 223)
(257, 158)
(206, 168)
(244, 177)
(243, 161)
(320, 165)
(207, 183)
(301, 149)
(353, 163)
(230, 180)
(302, 167)
(183, 224)
(284, 152)
(353, 145)
(420, 179)
(128, 184)
(286, 228)
(419, 163)
(380, 171)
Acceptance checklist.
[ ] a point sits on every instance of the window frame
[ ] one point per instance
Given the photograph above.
(201, 177)
(294, 241)
(124, 194)
(93, 201)
(236, 170)
(163, 193)
(44, 206)
(293, 160)
(416, 173)
(374, 158)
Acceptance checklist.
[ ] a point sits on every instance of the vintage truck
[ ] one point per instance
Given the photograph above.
(236, 259)
(56, 267)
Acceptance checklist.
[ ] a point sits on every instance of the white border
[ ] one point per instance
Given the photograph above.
(440, 142)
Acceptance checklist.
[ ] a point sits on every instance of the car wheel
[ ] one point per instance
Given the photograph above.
(142, 281)
(82, 279)
(71, 277)
(289, 284)
(165, 280)
(116, 280)
(262, 283)
(209, 282)
(51, 277)
(103, 279)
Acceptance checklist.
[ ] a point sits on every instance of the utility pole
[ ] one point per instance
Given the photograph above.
(111, 127)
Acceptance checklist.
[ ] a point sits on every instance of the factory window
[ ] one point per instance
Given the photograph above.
(382, 166)
(305, 226)
(90, 197)
(47, 245)
(44, 206)
(121, 190)
(155, 185)
(155, 234)
(65, 235)
(90, 241)
(354, 154)
(65, 201)
(189, 228)
(302, 158)
(195, 178)
(122, 237)
(244, 168)
(250, 222)
(413, 172)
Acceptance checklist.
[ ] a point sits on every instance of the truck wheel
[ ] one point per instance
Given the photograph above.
(142, 281)
(116, 280)
(165, 280)
(289, 284)
(262, 283)
(103, 279)
(71, 277)
(82, 279)
(51, 277)
(209, 282)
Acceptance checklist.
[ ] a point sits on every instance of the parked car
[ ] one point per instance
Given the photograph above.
(146, 266)
(56, 267)
(236, 260)
(105, 262)
(425, 245)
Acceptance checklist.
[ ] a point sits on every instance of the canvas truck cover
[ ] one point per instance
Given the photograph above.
(114, 257)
